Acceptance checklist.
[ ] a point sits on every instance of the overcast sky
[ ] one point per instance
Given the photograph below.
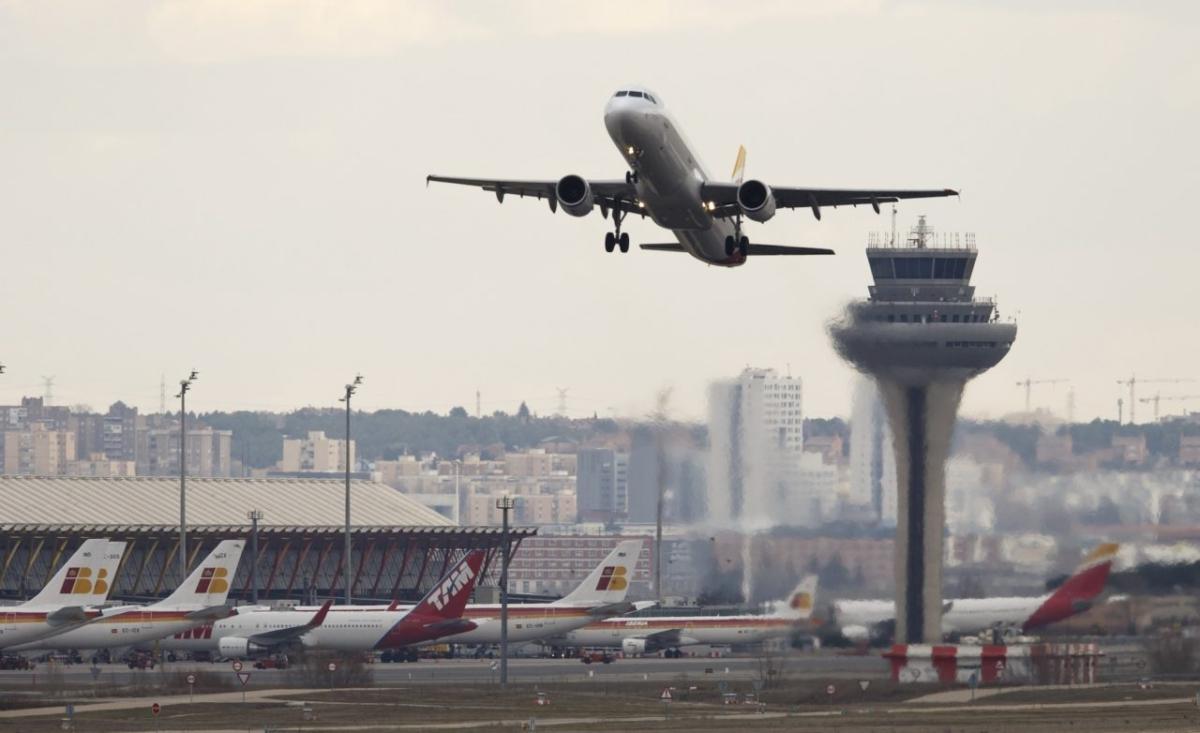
(238, 186)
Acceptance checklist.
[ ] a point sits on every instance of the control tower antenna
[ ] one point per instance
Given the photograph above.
(922, 334)
(893, 242)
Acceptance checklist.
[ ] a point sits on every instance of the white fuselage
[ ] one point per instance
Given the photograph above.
(966, 615)
(715, 630)
(526, 621)
(669, 177)
(19, 626)
(355, 631)
(122, 628)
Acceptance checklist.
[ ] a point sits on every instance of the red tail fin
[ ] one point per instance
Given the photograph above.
(448, 598)
(1077, 592)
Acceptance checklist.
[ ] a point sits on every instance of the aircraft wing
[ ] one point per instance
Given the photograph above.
(275, 637)
(607, 194)
(724, 197)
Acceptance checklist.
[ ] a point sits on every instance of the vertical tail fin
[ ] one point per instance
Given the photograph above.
(448, 598)
(609, 581)
(86, 578)
(801, 601)
(209, 584)
(1077, 592)
(739, 165)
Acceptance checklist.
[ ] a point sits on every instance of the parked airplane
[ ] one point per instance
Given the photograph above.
(864, 620)
(201, 598)
(600, 595)
(262, 631)
(641, 635)
(667, 181)
(68, 600)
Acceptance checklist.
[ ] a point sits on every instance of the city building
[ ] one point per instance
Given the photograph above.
(756, 438)
(602, 484)
(209, 451)
(315, 453)
(38, 450)
(872, 460)
(554, 565)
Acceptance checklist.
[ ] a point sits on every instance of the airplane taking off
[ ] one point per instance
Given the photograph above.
(201, 598)
(67, 601)
(642, 635)
(858, 619)
(667, 181)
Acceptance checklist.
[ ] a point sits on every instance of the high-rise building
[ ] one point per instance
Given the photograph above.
(315, 453)
(756, 440)
(602, 484)
(209, 451)
(922, 334)
(872, 463)
(38, 451)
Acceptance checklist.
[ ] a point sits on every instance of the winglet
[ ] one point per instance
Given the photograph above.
(739, 166)
(394, 604)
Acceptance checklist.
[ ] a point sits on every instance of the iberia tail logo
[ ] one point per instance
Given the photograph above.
(79, 581)
(213, 580)
(613, 578)
(802, 601)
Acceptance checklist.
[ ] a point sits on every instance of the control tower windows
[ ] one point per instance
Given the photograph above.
(918, 268)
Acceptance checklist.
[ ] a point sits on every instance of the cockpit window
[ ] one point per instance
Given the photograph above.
(621, 93)
(652, 99)
(635, 94)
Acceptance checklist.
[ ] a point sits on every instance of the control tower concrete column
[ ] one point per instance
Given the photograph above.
(922, 335)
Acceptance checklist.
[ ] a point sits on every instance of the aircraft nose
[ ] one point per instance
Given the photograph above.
(618, 118)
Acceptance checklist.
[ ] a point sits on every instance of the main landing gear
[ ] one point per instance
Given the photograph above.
(613, 240)
(737, 243)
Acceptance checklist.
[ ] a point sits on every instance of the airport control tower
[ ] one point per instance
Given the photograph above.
(922, 334)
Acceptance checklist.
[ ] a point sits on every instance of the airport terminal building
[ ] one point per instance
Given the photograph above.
(400, 547)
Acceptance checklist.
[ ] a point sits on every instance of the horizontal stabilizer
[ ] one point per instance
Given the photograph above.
(664, 247)
(758, 250)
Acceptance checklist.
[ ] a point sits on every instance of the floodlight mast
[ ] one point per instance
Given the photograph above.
(346, 578)
(184, 386)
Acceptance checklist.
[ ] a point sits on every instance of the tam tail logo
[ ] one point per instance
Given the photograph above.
(450, 587)
(613, 578)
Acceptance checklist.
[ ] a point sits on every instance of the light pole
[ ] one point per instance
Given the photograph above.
(184, 386)
(350, 390)
(505, 505)
(254, 516)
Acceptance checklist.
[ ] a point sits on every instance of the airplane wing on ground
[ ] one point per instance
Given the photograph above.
(275, 637)
(607, 194)
(724, 197)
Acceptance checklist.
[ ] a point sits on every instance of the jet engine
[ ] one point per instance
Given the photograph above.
(633, 646)
(236, 646)
(574, 195)
(756, 200)
(856, 632)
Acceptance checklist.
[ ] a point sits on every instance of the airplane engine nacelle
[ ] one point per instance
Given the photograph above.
(633, 646)
(236, 646)
(756, 200)
(574, 195)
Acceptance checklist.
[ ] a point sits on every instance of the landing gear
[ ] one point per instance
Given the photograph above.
(737, 243)
(613, 240)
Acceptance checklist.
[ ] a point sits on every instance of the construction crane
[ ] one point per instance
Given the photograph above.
(1155, 399)
(1132, 383)
(1028, 383)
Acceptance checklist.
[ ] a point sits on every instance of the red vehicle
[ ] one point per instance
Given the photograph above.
(279, 661)
(597, 657)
